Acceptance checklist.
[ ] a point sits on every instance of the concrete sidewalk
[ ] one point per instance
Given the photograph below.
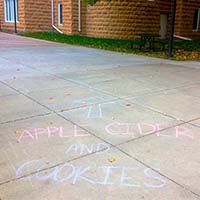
(79, 123)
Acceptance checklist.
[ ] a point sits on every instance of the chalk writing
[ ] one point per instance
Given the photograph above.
(82, 148)
(74, 174)
(94, 109)
(183, 131)
(50, 131)
(124, 129)
(89, 100)
(115, 129)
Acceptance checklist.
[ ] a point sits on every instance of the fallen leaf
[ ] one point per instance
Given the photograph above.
(50, 98)
(17, 132)
(129, 104)
(111, 159)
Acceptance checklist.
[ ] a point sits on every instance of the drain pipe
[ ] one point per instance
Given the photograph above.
(79, 15)
(182, 38)
(52, 12)
(52, 17)
(58, 30)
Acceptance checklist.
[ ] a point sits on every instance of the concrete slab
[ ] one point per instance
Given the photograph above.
(18, 107)
(15, 71)
(138, 73)
(74, 55)
(9, 41)
(196, 122)
(32, 83)
(182, 104)
(148, 69)
(5, 90)
(70, 97)
(81, 123)
(134, 81)
(115, 126)
(96, 178)
(190, 64)
(48, 138)
(171, 80)
(124, 89)
(177, 157)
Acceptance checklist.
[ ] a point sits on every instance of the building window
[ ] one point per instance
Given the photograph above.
(9, 10)
(60, 17)
(196, 19)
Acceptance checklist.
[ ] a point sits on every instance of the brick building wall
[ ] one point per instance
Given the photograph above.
(9, 26)
(185, 17)
(34, 16)
(70, 16)
(75, 16)
(115, 19)
(67, 5)
(123, 18)
(37, 15)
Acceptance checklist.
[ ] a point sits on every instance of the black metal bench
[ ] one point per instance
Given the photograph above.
(150, 39)
(139, 43)
(162, 42)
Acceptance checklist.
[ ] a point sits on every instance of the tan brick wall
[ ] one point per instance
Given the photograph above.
(37, 15)
(9, 26)
(70, 16)
(120, 18)
(124, 18)
(184, 18)
(66, 27)
(75, 16)
(34, 16)
(115, 19)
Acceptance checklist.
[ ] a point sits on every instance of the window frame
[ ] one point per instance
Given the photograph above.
(60, 14)
(198, 20)
(9, 12)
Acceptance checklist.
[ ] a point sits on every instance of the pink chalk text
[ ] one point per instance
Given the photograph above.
(51, 131)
